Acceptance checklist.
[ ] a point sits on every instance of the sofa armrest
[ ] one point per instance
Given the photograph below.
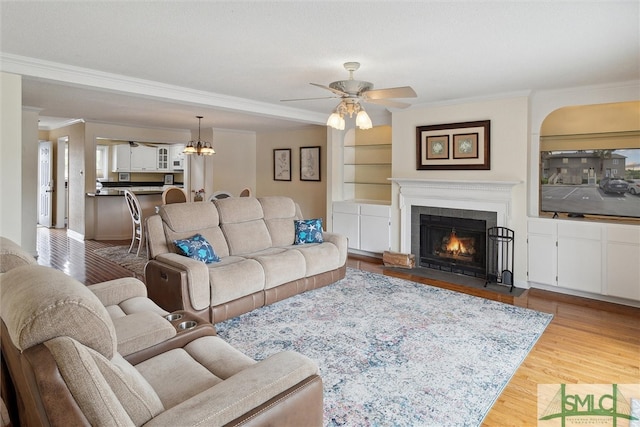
(113, 292)
(341, 243)
(275, 380)
(192, 288)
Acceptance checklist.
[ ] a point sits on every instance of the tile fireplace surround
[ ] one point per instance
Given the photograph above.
(487, 196)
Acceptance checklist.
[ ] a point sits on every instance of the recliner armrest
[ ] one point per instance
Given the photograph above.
(113, 292)
(341, 243)
(196, 284)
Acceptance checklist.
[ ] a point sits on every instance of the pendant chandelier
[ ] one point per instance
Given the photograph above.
(199, 147)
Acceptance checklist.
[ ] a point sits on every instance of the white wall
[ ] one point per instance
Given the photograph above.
(29, 179)
(11, 156)
(509, 142)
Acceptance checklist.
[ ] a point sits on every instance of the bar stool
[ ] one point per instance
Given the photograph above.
(136, 219)
(173, 195)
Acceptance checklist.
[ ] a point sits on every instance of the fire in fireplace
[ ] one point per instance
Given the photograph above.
(452, 247)
(456, 245)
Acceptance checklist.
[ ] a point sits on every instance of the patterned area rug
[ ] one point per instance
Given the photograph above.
(393, 352)
(130, 261)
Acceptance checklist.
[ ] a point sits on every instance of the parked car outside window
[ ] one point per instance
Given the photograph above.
(613, 185)
(634, 186)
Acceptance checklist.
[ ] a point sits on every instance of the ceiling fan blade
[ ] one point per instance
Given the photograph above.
(392, 92)
(336, 91)
(308, 99)
(388, 103)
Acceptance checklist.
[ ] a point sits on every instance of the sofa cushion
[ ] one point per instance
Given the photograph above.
(52, 304)
(280, 266)
(197, 247)
(308, 231)
(279, 214)
(234, 277)
(320, 257)
(191, 379)
(182, 221)
(241, 221)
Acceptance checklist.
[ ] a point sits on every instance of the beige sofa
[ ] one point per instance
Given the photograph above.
(259, 262)
(106, 355)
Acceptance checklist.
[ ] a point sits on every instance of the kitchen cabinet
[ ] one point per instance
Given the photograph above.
(121, 159)
(591, 257)
(162, 157)
(366, 225)
(143, 158)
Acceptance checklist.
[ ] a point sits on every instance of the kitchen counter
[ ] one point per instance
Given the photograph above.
(106, 191)
(110, 215)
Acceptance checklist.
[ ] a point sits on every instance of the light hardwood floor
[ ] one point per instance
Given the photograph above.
(588, 341)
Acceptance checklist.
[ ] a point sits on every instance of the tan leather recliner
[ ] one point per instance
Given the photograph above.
(61, 349)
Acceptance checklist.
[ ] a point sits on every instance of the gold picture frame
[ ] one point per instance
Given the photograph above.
(454, 146)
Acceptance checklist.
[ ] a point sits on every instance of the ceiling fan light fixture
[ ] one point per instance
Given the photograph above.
(336, 121)
(199, 147)
(363, 121)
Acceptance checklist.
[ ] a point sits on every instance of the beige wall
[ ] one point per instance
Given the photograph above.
(509, 142)
(234, 164)
(311, 195)
(11, 156)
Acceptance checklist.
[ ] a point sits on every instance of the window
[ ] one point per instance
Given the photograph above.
(102, 164)
(583, 160)
(614, 161)
(565, 160)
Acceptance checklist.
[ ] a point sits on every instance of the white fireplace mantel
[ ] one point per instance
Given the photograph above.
(489, 196)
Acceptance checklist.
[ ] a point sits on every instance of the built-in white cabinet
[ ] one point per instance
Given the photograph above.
(367, 226)
(147, 158)
(162, 156)
(121, 158)
(597, 258)
(143, 158)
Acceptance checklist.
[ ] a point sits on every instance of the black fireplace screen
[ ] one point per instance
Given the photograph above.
(456, 245)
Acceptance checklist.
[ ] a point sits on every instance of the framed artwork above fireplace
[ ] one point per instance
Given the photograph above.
(468, 143)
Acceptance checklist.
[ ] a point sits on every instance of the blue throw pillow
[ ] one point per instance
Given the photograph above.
(308, 231)
(197, 247)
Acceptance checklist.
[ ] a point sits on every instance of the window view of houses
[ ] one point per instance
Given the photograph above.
(596, 182)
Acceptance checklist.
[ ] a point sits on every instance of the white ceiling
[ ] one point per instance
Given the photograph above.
(161, 63)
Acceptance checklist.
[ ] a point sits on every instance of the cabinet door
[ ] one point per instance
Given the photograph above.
(542, 252)
(580, 257)
(121, 158)
(143, 158)
(375, 228)
(162, 158)
(375, 233)
(623, 262)
(349, 226)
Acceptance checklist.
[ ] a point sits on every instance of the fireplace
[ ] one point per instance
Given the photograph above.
(453, 244)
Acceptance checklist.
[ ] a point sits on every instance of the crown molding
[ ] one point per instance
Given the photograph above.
(85, 77)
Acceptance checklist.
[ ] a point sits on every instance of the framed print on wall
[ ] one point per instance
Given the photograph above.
(438, 147)
(310, 163)
(454, 146)
(282, 164)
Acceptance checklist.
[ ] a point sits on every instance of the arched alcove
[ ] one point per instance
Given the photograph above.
(582, 145)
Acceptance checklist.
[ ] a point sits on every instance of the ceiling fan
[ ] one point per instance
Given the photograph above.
(353, 92)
